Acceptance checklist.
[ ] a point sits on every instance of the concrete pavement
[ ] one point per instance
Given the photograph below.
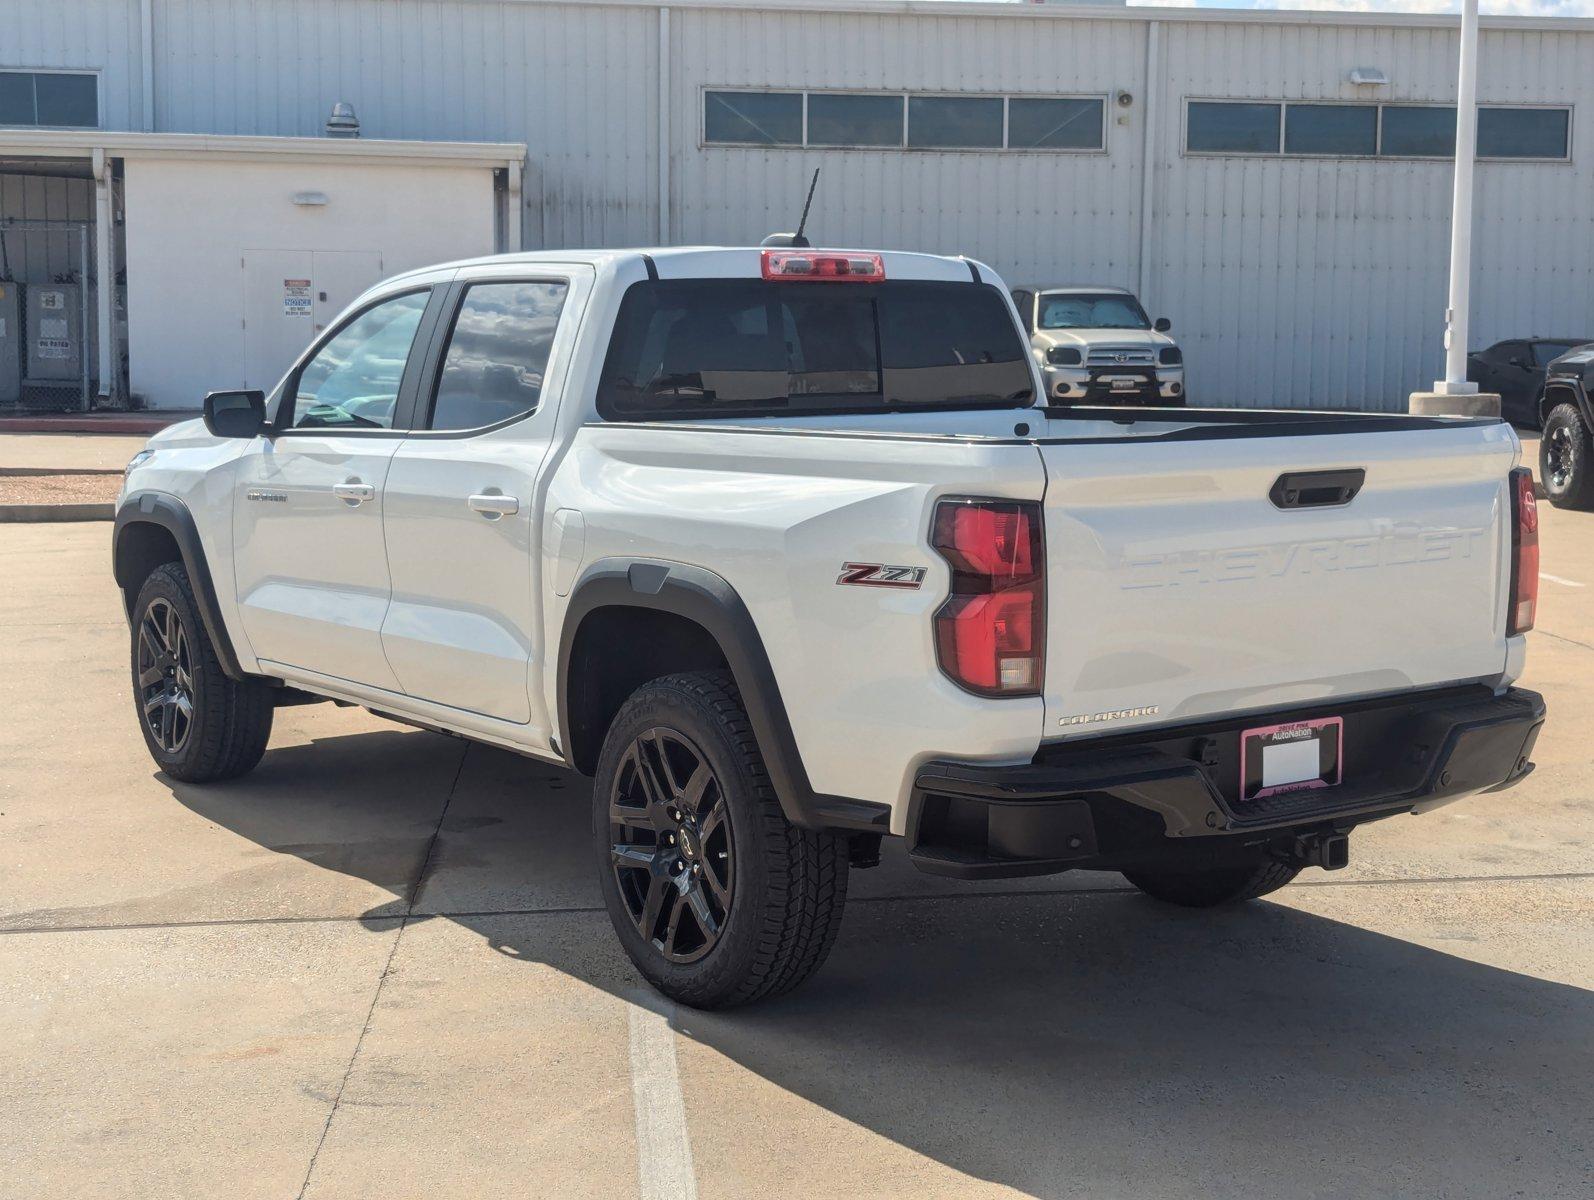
(378, 966)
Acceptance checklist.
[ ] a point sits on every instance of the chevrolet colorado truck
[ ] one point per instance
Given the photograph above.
(782, 549)
(1095, 345)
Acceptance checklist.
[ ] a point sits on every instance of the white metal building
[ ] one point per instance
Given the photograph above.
(1290, 220)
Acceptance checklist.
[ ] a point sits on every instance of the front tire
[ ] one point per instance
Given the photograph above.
(716, 897)
(200, 726)
(1213, 886)
(1566, 459)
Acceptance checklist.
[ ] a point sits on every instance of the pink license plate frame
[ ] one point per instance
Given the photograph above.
(1253, 741)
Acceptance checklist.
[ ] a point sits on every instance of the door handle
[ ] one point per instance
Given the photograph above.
(493, 505)
(354, 493)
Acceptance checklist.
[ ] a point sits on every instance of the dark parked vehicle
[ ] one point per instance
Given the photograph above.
(1566, 454)
(1515, 370)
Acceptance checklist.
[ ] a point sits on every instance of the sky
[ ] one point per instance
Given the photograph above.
(1517, 8)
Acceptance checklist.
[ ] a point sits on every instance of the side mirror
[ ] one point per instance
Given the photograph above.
(1162, 324)
(240, 414)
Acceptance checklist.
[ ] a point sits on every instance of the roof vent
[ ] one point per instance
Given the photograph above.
(343, 123)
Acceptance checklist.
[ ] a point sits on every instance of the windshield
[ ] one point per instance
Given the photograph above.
(722, 347)
(1091, 310)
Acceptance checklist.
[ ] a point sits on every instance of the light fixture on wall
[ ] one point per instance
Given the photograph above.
(1368, 77)
(310, 199)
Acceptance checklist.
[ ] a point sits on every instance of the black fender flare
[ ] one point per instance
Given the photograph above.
(709, 601)
(1579, 396)
(172, 515)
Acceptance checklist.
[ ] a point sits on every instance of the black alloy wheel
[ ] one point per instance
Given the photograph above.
(1558, 457)
(166, 676)
(671, 848)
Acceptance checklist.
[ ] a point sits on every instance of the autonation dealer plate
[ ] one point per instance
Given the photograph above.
(1291, 757)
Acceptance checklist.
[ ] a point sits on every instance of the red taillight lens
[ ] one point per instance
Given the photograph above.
(990, 634)
(1524, 553)
(823, 264)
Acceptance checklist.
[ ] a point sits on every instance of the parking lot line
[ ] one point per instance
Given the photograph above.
(663, 1146)
(1559, 580)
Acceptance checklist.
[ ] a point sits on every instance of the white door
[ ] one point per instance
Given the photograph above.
(309, 559)
(291, 296)
(338, 277)
(279, 321)
(464, 626)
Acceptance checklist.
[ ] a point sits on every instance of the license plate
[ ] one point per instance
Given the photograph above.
(1292, 757)
(1123, 385)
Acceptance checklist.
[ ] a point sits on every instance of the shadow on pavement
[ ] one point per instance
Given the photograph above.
(1060, 1044)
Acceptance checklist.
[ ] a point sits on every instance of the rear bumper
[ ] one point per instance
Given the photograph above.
(1171, 796)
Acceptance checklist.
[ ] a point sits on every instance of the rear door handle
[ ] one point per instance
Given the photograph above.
(354, 493)
(493, 505)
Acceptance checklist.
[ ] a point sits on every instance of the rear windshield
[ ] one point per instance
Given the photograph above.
(735, 347)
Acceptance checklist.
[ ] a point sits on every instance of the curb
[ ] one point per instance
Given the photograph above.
(33, 513)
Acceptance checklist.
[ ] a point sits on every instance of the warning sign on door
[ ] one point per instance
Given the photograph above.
(296, 297)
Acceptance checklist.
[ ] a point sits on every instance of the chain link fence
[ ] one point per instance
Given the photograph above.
(48, 316)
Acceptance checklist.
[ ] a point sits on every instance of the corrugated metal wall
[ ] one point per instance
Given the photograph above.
(1291, 282)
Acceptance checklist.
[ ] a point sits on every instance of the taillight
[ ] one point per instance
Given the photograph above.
(1524, 553)
(830, 265)
(990, 634)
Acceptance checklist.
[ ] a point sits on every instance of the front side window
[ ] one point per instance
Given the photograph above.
(1220, 127)
(49, 99)
(497, 354)
(352, 382)
(722, 347)
(1544, 353)
(1088, 310)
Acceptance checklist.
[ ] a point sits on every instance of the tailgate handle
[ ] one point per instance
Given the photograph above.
(1316, 489)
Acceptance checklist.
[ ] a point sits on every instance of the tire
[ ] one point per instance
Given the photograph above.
(739, 904)
(199, 725)
(1213, 886)
(1566, 459)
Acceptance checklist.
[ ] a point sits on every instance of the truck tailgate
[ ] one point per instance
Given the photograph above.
(1178, 590)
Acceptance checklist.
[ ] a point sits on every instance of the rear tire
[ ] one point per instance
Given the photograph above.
(1566, 459)
(1213, 886)
(716, 897)
(200, 726)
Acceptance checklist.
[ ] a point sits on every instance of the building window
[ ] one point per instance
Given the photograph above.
(1334, 129)
(753, 118)
(955, 122)
(1213, 127)
(1366, 130)
(50, 99)
(1523, 132)
(843, 119)
(873, 120)
(1049, 124)
(1417, 131)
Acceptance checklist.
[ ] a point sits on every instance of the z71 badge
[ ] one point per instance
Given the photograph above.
(880, 575)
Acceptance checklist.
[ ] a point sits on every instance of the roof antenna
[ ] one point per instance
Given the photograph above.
(796, 239)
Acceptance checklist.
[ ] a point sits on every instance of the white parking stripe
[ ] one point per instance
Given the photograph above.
(1558, 579)
(663, 1147)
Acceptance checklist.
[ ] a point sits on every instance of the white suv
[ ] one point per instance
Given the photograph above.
(1095, 345)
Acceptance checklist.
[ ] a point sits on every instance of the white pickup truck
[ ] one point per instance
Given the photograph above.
(778, 547)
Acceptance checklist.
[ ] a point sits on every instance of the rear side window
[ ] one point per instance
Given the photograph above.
(497, 354)
(737, 347)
